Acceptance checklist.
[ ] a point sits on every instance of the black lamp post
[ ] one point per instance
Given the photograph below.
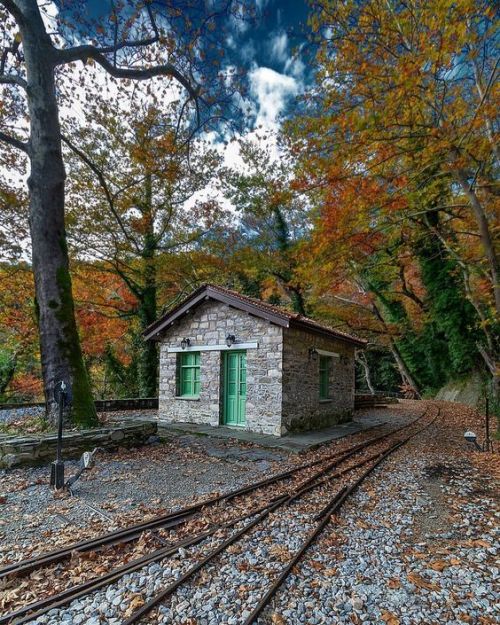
(230, 340)
(57, 467)
(185, 343)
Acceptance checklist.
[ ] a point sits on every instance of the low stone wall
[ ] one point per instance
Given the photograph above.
(101, 405)
(467, 390)
(29, 450)
(133, 403)
(362, 401)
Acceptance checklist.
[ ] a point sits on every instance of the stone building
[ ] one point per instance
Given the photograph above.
(227, 359)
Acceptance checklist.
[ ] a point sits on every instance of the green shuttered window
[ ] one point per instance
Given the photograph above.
(324, 376)
(188, 374)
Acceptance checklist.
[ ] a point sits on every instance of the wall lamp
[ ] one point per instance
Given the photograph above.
(313, 353)
(230, 340)
(185, 343)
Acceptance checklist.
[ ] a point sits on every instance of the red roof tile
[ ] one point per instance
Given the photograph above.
(271, 312)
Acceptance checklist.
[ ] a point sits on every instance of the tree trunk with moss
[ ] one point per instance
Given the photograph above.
(61, 354)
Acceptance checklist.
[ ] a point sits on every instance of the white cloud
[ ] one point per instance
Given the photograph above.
(278, 47)
(295, 67)
(271, 90)
(248, 51)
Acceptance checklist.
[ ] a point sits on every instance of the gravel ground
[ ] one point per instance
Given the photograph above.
(417, 543)
(17, 414)
(403, 553)
(126, 485)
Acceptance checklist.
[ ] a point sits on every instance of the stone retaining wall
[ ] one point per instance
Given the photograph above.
(101, 405)
(29, 450)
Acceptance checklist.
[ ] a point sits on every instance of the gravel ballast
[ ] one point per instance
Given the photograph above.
(416, 544)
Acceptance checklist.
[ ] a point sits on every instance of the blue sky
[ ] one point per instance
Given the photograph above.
(276, 18)
(270, 51)
(278, 31)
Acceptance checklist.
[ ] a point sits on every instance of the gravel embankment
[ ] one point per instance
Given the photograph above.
(416, 544)
(9, 415)
(123, 488)
(408, 549)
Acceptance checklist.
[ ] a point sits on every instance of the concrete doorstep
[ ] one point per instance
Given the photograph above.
(295, 443)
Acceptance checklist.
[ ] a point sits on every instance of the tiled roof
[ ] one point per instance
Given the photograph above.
(273, 313)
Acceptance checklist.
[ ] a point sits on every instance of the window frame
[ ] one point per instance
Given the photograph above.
(324, 368)
(188, 388)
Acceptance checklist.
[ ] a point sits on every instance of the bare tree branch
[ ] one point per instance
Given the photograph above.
(102, 180)
(9, 79)
(16, 143)
(13, 9)
(86, 52)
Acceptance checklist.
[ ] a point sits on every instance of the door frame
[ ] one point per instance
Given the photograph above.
(223, 388)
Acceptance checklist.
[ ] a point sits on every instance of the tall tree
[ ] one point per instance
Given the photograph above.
(144, 187)
(273, 218)
(136, 41)
(405, 101)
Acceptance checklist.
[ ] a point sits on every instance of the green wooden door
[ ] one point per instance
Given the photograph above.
(235, 387)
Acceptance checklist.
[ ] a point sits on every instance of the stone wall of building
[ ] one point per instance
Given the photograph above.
(302, 408)
(209, 324)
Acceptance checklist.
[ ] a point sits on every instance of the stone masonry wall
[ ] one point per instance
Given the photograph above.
(209, 324)
(302, 408)
(31, 450)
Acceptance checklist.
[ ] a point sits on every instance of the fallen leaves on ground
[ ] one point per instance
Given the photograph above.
(420, 582)
(389, 618)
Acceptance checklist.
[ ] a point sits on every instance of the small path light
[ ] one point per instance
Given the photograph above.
(230, 340)
(57, 468)
(185, 343)
(471, 437)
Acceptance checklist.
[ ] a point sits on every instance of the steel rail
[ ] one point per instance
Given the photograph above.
(324, 517)
(37, 609)
(177, 517)
(129, 533)
(44, 605)
(147, 607)
(327, 511)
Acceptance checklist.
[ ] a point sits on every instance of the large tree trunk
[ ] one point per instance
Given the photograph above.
(484, 233)
(361, 358)
(148, 358)
(405, 373)
(61, 354)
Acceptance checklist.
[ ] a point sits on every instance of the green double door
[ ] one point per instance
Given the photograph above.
(235, 387)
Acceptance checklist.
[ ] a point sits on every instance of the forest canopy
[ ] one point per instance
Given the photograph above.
(370, 203)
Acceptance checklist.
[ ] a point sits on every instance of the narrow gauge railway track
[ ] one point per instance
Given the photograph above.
(318, 479)
(178, 517)
(322, 518)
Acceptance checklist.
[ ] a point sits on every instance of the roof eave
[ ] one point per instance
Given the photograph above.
(310, 327)
(153, 331)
